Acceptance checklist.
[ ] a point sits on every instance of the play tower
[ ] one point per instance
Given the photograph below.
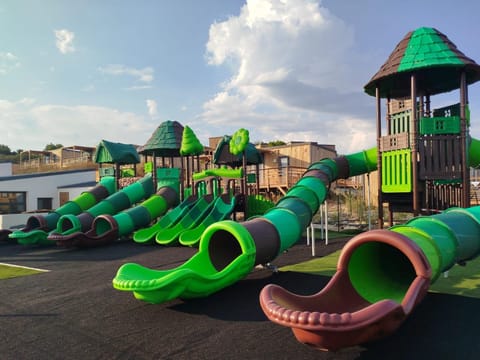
(423, 156)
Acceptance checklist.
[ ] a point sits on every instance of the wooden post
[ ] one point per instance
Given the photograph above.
(379, 158)
(154, 171)
(465, 201)
(413, 95)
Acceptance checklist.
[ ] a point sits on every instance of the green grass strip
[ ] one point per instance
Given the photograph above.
(9, 271)
(459, 280)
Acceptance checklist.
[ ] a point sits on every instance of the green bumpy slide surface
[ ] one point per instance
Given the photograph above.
(221, 211)
(191, 219)
(147, 235)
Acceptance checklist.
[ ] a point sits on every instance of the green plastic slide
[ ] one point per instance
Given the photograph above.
(191, 219)
(38, 226)
(147, 235)
(222, 209)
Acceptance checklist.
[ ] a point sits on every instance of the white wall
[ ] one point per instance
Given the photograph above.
(6, 169)
(47, 185)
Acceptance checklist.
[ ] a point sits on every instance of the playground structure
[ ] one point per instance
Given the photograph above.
(423, 165)
(423, 168)
(382, 275)
(210, 195)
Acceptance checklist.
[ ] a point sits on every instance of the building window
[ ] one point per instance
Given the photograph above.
(44, 203)
(12, 202)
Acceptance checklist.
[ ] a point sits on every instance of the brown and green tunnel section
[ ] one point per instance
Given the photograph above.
(38, 226)
(382, 275)
(107, 220)
(282, 226)
(108, 228)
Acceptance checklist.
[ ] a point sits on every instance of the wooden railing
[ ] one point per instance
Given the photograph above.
(280, 178)
(28, 167)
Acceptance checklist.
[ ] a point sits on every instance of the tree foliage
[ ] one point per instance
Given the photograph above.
(272, 143)
(5, 150)
(52, 146)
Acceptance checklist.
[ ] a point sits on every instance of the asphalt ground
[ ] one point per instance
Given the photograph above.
(73, 312)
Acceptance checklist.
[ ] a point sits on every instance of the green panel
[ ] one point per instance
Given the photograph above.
(108, 171)
(168, 177)
(148, 167)
(440, 125)
(251, 178)
(127, 172)
(397, 171)
(400, 122)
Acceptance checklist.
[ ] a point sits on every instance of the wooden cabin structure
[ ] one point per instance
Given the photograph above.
(284, 165)
(423, 164)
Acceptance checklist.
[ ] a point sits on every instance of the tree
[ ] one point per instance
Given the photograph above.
(276, 143)
(52, 146)
(5, 150)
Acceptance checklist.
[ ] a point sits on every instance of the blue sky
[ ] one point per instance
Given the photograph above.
(77, 72)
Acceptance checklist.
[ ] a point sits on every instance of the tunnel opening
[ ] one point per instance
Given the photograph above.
(223, 248)
(380, 271)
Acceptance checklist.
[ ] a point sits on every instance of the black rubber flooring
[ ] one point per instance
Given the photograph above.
(73, 312)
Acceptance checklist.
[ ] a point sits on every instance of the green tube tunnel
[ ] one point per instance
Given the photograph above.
(137, 217)
(69, 224)
(38, 226)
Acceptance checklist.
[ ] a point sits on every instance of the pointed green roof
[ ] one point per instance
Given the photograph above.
(166, 140)
(434, 59)
(190, 143)
(116, 153)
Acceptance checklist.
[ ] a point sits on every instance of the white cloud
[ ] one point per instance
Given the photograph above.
(64, 41)
(152, 107)
(293, 75)
(28, 125)
(144, 75)
(8, 62)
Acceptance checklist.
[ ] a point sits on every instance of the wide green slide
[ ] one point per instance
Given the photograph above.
(192, 218)
(222, 209)
(147, 234)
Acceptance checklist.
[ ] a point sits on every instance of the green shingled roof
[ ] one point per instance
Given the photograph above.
(432, 57)
(223, 156)
(166, 140)
(116, 153)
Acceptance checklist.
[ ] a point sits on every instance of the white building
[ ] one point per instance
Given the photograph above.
(42, 191)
